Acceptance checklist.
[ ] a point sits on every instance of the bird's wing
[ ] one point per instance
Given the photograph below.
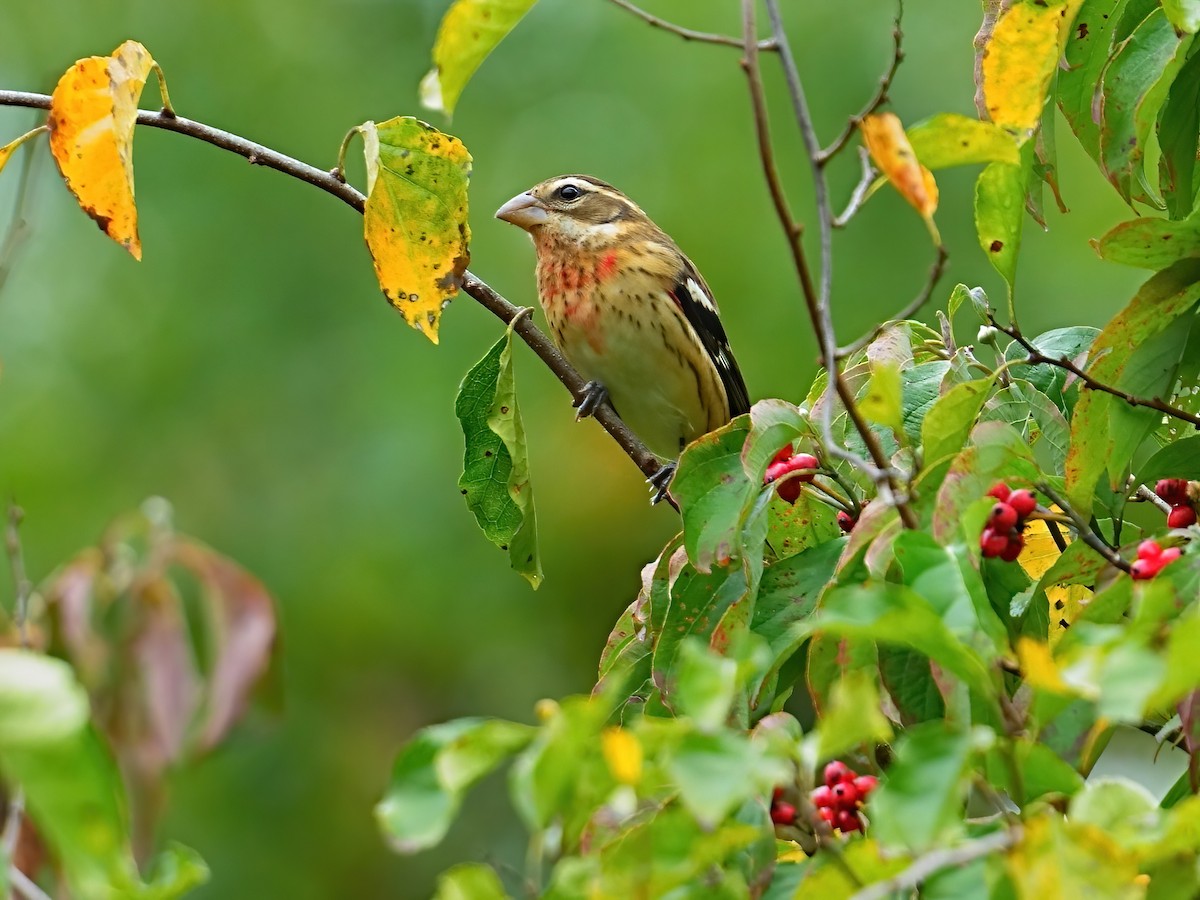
(695, 299)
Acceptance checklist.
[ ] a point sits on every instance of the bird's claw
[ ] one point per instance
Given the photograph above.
(660, 481)
(592, 397)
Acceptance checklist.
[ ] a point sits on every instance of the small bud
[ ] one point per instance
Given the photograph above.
(987, 335)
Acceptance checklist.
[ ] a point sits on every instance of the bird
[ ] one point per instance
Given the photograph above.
(631, 313)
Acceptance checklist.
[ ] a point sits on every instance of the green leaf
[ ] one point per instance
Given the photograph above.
(495, 478)
(1085, 55)
(920, 803)
(1151, 242)
(1183, 14)
(1133, 90)
(998, 453)
(435, 769)
(908, 678)
(922, 388)
(1041, 770)
(1178, 138)
(882, 401)
(949, 139)
(1180, 459)
(1058, 858)
(72, 787)
(716, 773)
(864, 863)
(853, 717)
(1000, 214)
(961, 294)
(714, 494)
(1161, 300)
(415, 218)
(470, 881)
(945, 428)
(470, 30)
(1070, 344)
(705, 685)
(773, 424)
(1035, 416)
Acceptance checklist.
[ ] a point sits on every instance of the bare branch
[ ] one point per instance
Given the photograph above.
(22, 591)
(1084, 530)
(817, 300)
(1036, 357)
(935, 275)
(881, 93)
(24, 886)
(686, 33)
(942, 858)
(472, 285)
(859, 197)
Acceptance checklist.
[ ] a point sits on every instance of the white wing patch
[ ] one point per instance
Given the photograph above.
(700, 296)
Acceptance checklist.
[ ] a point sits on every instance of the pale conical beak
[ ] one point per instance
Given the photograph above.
(524, 211)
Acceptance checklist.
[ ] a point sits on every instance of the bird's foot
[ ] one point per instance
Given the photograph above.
(660, 481)
(593, 396)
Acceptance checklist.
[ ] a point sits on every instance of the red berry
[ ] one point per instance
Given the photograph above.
(775, 470)
(1144, 569)
(777, 795)
(1016, 543)
(1023, 502)
(822, 797)
(1003, 518)
(1149, 549)
(845, 521)
(1181, 517)
(837, 772)
(845, 795)
(847, 821)
(803, 461)
(1000, 491)
(991, 543)
(864, 784)
(827, 813)
(783, 813)
(1173, 491)
(1169, 555)
(790, 490)
(784, 454)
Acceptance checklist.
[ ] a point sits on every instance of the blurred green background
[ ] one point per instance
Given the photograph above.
(251, 372)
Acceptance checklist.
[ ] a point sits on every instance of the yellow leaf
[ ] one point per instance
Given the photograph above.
(889, 148)
(470, 30)
(10, 148)
(415, 219)
(1038, 666)
(1020, 58)
(623, 753)
(1040, 553)
(92, 114)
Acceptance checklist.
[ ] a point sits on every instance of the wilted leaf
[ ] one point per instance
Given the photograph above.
(415, 220)
(470, 30)
(435, 769)
(92, 116)
(1019, 61)
(495, 478)
(949, 139)
(888, 145)
(242, 631)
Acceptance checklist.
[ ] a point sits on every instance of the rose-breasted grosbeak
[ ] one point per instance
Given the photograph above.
(630, 312)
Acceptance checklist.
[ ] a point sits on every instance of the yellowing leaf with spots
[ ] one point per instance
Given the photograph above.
(1040, 553)
(470, 30)
(889, 148)
(415, 219)
(92, 114)
(1019, 61)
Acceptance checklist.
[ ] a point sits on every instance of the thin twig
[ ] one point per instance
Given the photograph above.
(943, 858)
(18, 226)
(881, 93)
(1036, 357)
(472, 285)
(1147, 495)
(686, 33)
(817, 301)
(935, 275)
(859, 196)
(25, 886)
(1084, 530)
(22, 590)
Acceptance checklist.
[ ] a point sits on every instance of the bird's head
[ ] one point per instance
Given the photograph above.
(573, 209)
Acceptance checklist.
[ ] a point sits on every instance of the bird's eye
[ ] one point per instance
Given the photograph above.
(569, 193)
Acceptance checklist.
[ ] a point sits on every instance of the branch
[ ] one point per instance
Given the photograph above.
(1084, 530)
(935, 275)
(885, 477)
(473, 286)
(880, 98)
(22, 589)
(936, 860)
(1036, 357)
(686, 33)
(861, 190)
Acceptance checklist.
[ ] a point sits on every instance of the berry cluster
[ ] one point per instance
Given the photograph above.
(838, 800)
(1152, 559)
(1174, 492)
(1002, 536)
(784, 463)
